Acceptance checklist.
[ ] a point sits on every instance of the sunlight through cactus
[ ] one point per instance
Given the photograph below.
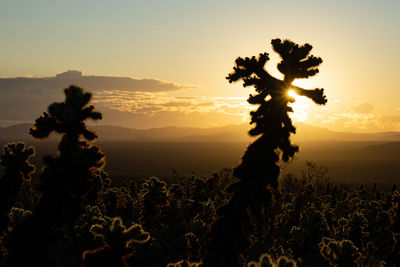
(259, 166)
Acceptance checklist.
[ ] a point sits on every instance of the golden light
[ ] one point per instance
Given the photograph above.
(300, 107)
(292, 94)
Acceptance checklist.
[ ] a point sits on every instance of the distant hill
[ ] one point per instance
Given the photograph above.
(386, 150)
(306, 132)
(228, 133)
(142, 153)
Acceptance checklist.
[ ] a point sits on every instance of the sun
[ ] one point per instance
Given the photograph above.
(292, 94)
(300, 107)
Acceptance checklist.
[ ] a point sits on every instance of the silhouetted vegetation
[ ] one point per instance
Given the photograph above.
(77, 216)
(64, 179)
(17, 170)
(259, 166)
(311, 222)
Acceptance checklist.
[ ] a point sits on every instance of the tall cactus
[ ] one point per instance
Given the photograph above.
(259, 167)
(65, 178)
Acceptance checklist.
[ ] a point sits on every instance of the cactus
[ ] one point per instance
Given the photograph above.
(153, 199)
(16, 215)
(70, 174)
(65, 179)
(116, 240)
(259, 167)
(17, 170)
(265, 260)
(184, 263)
(339, 253)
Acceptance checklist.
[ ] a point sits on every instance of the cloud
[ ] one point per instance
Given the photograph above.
(145, 103)
(359, 122)
(177, 104)
(364, 108)
(53, 85)
(359, 118)
(153, 103)
(148, 103)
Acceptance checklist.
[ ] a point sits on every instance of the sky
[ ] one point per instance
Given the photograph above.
(194, 44)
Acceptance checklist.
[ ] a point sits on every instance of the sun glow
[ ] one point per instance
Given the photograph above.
(300, 107)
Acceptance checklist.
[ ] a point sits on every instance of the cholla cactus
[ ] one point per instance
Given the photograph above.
(101, 181)
(92, 216)
(176, 192)
(15, 159)
(117, 201)
(193, 245)
(357, 228)
(184, 263)
(394, 255)
(65, 179)
(16, 215)
(68, 177)
(153, 199)
(265, 260)
(339, 253)
(395, 210)
(17, 169)
(67, 118)
(259, 166)
(117, 240)
(198, 188)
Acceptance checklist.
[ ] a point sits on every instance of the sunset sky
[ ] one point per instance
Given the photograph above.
(193, 44)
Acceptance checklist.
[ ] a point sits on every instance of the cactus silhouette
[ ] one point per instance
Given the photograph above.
(265, 260)
(259, 165)
(65, 179)
(154, 197)
(17, 169)
(16, 215)
(116, 243)
(340, 253)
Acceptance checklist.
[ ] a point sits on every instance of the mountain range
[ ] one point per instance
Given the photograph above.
(228, 133)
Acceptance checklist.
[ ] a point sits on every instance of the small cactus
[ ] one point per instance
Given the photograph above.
(16, 215)
(17, 170)
(266, 260)
(340, 253)
(117, 239)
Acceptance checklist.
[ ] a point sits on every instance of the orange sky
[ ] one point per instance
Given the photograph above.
(196, 42)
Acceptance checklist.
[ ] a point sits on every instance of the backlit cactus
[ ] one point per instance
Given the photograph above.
(340, 253)
(65, 179)
(259, 167)
(17, 170)
(265, 260)
(16, 215)
(153, 200)
(117, 240)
